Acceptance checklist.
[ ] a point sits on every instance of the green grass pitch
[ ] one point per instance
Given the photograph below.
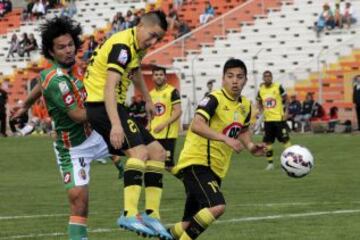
(261, 205)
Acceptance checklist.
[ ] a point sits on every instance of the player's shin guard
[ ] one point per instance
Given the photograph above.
(153, 187)
(77, 228)
(132, 185)
(198, 224)
(287, 144)
(269, 153)
(177, 230)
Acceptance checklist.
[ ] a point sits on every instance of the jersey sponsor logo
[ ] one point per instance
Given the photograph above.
(82, 174)
(204, 102)
(67, 178)
(226, 108)
(160, 109)
(68, 99)
(63, 87)
(233, 130)
(270, 103)
(123, 56)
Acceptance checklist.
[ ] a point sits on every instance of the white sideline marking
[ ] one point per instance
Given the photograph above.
(3, 218)
(233, 220)
(33, 216)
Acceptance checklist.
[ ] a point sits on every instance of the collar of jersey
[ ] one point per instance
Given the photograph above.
(57, 66)
(136, 44)
(228, 96)
(162, 88)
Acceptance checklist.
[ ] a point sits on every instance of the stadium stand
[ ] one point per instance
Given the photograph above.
(92, 15)
(283, 41)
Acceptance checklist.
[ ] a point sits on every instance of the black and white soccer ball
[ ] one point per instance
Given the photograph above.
(297, 161)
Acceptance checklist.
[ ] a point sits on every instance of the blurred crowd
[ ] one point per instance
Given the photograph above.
(341, 15)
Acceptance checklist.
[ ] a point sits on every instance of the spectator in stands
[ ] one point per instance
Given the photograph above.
(3, 101)
(14, 45)
(31, 45)
(294, 110)
(27, 12)
(69, 10)
(129, 19)
(209, 85)
(208, 14)
(318, 112)
(7, 6)
(333, 119)
(20, 122)
(326, 20)
(22, 44)
(2, 8)
(91, 47)
(306, 112)
(177, 3)
(348, 15)
(183, 29)
(356, 98)
(337, 16)
(38, 9)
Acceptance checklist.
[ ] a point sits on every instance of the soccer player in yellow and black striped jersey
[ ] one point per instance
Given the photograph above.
(220, 126)
(113, 66)
(165, 124)
(272, 101)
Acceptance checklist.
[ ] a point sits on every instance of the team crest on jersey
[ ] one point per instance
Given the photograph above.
(233, 130)
(123, 56)
(226, 108)
(68, 99)
(63, 87)
(159, 109)
(82, 174)
(67, 178)
(204, 102)
(270, 103)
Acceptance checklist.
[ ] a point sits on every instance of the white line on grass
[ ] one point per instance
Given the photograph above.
(4, 218)
(32, 216)
(233, 220)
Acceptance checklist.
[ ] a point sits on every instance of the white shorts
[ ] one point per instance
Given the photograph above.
(75, 170)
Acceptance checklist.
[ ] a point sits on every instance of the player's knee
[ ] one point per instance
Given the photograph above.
(217, 210)
(139, 152)
(78, 202)
(158, 152)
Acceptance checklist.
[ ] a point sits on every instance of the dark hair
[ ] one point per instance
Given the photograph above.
(158, 68)
(55, 28)
(235, 63)
(157, 17)
(267, 72)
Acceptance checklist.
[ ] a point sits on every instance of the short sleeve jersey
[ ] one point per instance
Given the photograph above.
(224, 115)
(272, 101)
(164, 99)
(119, 53)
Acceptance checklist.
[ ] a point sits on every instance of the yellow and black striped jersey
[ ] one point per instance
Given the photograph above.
(272, 101)
(119, 53)
(164, 99)
(224, 114)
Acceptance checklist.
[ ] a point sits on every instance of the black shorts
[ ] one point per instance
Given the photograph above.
(278, 130)
(169, 145)
(135, 134)
(202, 188)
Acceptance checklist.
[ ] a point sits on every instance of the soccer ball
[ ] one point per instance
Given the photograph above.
(297, 161)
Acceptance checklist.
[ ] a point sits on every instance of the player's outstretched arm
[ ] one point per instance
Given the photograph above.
(200, 126)
(257, 149)
(117, 132)
(33, 96)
